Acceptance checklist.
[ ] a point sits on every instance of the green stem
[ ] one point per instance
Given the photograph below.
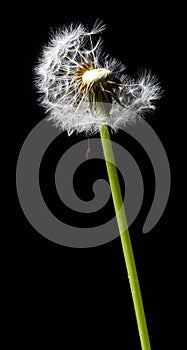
(125, 237)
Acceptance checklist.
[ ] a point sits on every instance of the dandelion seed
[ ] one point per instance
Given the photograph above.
(73, 74)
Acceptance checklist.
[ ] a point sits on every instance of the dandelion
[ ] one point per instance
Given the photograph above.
(83, 89)
(74, 70)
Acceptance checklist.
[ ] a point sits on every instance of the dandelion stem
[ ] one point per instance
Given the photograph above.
(125, 237)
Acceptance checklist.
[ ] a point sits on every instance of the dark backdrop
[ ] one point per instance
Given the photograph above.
(59, 294)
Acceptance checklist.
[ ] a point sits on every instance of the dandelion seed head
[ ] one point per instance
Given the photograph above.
(74, 76)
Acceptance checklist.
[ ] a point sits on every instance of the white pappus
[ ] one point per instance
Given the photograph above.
(74, 74)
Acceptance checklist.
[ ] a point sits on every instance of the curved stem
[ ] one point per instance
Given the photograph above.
(125, 237)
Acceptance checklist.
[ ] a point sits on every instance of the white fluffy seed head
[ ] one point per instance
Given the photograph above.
(72, 60)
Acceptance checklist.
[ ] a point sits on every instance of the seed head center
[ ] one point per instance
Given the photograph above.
(96, 75)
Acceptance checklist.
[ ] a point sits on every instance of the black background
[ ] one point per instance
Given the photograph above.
(81, 296)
